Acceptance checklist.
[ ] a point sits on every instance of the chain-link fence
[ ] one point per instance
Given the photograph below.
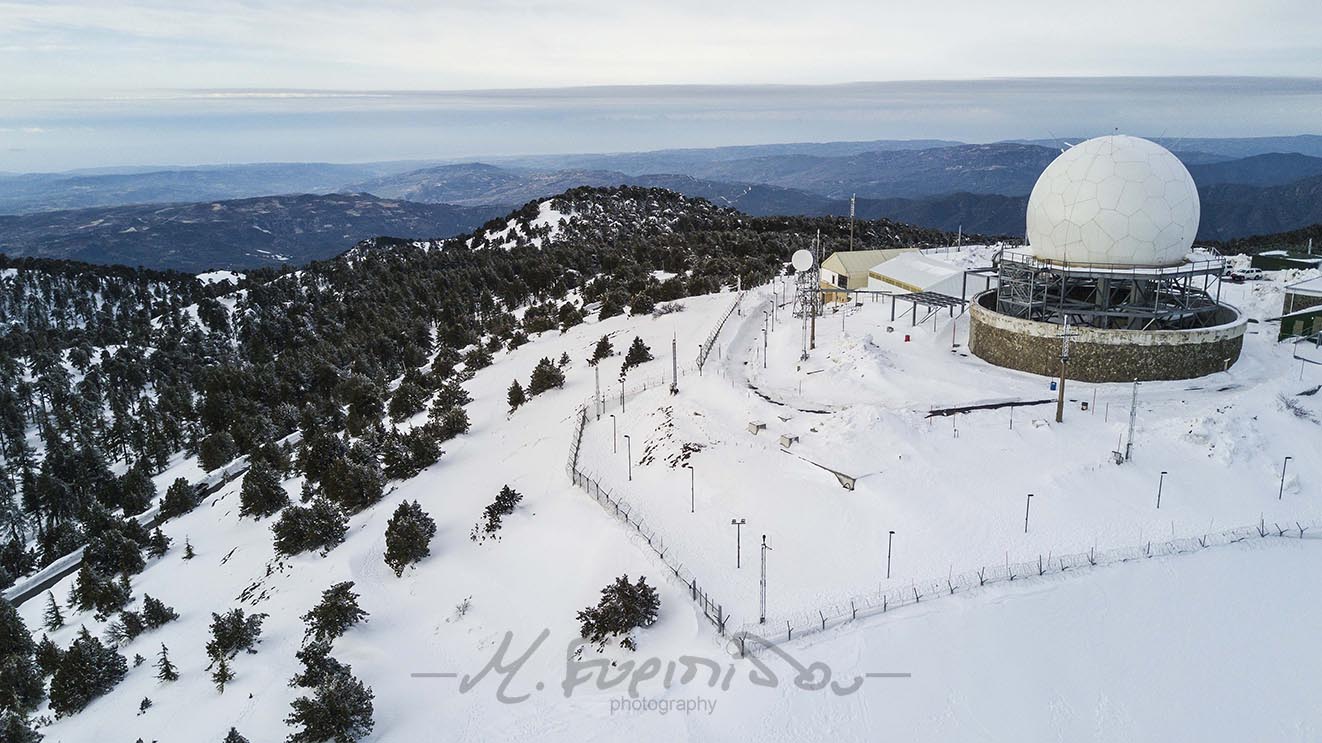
(832, 614)
(616, 505)
(705, 349)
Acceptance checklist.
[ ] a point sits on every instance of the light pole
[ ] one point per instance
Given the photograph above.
(764, 340)
(1027, 505)
(1284, 464)
(1161, 481)
(628, 454)
(762, 616)
(621, 394)
(692, 501)
(890, 540)
(738, 550)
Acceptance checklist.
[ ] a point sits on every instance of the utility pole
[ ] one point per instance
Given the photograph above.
(597, 370)
(890, 541)
(762, 616)
(628, 448)
(1160, 483)
(1064, 368)
(615, 442)
(1133, 415)
(738, 549)
(1281, 495)
(1027, 506)
(764, 339)
(621, 394)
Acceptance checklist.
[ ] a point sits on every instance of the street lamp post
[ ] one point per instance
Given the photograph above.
(890, 540)
(621, 394)
(738, 550)
(1027, 505)
(628, 454)
(692, 501)
(762, 605)
(1280, 495)
(1160, 482)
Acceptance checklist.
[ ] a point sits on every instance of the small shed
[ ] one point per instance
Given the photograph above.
(1301, 295)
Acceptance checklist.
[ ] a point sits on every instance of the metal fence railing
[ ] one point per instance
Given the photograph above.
(753, 637)
(705, 349)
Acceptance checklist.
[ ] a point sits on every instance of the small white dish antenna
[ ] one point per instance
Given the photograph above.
(801, 260)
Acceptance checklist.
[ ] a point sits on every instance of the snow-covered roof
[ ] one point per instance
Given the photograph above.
(861, 261)
(916, 272)
(1311, 287)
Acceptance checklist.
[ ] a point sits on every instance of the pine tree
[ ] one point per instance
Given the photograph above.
(320, 525)
(136, 490)
(180, 498)
(159, 544)
(624, 606)
(222, 675)
(564, 360)
(408, 536)
(337, 612)
(155, 613)
(233, 737)
(87, 670)
(545, 376)
(355, 481)
(318, 665)
(15, 728)
(339, 709)
(165, 670)
(48, 656)
(234, 631)
(515, 396)
(638, 353)
(188, 549)
(602, 350)
(261, 494)
(21, 687)
(504, 505)
(53, 619)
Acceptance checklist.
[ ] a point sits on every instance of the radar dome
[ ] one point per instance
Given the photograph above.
(1113, 201)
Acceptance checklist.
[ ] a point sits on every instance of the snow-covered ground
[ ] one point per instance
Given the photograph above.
(1214, 645)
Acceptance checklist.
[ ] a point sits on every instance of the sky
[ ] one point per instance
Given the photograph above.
(93, 83)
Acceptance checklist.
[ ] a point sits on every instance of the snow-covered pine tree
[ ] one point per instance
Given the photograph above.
(158, 544)
(339, 709)
(233, 737)
(337, 612)
(602, 350)
(165, 670)
(623, 607)
(53, 617)
(87, 670)
(638, 353)
(21, 687)
(515, 396)
(545, 376)
(180, 498)
(233, 631)
(47, 655)
(261, 494)
(188, 549)
(155, 613)
(320, 525)
(408, 536)
(222, 674)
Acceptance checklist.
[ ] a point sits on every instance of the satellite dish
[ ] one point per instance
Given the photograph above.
(801, 260)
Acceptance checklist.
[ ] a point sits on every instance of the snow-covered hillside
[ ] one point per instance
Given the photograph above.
(1156, 649)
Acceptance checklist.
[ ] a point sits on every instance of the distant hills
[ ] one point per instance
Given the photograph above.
(235, 234)
(214, 218)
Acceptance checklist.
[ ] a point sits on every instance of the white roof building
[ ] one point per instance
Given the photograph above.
(915, 272)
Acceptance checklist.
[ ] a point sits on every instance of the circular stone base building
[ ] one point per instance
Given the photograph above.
(1109, 280)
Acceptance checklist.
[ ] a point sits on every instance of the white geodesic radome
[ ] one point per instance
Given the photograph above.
(1113, 201)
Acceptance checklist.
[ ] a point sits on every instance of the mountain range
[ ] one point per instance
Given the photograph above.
(225, 216)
